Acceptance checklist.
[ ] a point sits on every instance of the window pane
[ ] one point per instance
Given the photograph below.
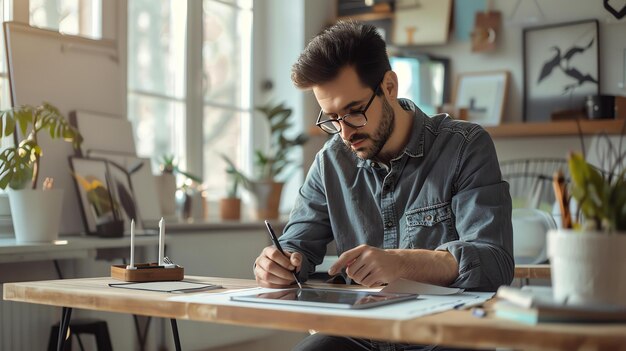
(156, 46)
(242, 4)
(222, 135)
(5, 15)
(226, 54)
(5, 101)
(159, 127)
(76, 17)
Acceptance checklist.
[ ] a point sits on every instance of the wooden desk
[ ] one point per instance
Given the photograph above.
(532, 271)
(454, 328)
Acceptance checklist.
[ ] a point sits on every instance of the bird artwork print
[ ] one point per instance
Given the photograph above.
(563, 62)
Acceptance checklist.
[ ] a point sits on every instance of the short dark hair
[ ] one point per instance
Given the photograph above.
(347, 43)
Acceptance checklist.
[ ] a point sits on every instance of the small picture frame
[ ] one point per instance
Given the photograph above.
(421, 22)
(561, 67)
(123, 196)
(106, 196)
(482, 95)
(142, 182)
(94, 192)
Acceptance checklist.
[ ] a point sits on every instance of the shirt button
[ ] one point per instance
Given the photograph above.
(428, 218)
(389, 224)
(373, 164)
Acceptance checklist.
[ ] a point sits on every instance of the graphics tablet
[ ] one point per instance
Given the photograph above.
(334, 298)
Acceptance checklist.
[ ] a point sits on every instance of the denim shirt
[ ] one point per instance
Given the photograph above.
(443, 192)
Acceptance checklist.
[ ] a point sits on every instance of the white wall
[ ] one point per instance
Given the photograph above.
(508, 56)
(281, 30)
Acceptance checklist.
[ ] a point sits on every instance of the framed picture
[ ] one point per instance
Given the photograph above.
(421, 22)
(561, 67)
(94, 192)
(103, 132)
(482, 95)
(425, 79)
(142, 182)
(123, 196)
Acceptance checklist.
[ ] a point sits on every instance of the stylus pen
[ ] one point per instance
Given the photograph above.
(277, 244)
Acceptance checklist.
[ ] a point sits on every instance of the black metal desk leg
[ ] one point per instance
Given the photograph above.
(175, 333)
(64, 325)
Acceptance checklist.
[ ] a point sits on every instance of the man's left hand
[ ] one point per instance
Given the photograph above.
(369, 266)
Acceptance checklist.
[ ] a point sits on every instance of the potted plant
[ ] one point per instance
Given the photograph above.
(230, 206)
(36, 213)
(588, 263)
(167, 184)
(272, 164)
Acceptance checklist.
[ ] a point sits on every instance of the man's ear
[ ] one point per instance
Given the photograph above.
(390, 85)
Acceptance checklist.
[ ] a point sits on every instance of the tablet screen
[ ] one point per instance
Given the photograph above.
(335, 298)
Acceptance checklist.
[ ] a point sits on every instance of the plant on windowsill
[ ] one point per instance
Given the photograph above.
(588, 262)
(230, 206)
(169, 165)
(36, 213)
(271, 165)
(168, 188)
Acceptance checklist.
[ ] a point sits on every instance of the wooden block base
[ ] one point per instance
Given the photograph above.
(143, 274)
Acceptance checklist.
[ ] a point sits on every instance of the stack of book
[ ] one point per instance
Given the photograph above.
(534, 304)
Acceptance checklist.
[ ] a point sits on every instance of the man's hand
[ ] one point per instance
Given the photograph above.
(370, 266)
(272, 269)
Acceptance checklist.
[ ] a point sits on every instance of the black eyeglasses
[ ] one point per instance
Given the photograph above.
(354, 120)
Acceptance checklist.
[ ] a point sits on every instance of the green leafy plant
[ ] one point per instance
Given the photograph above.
(235, 178)
(601, 194)
(168, 165)
(272, 163)
(20, 163)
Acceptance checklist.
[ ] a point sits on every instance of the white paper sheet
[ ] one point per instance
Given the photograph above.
(424, 305)
(411, 287)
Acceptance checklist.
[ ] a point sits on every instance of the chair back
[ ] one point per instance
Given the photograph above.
(530, 181)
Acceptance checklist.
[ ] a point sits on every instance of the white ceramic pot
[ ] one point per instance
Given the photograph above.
(36, 214)
(588, 268)
(166, 184)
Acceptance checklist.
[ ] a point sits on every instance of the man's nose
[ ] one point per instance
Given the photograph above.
(346, 131)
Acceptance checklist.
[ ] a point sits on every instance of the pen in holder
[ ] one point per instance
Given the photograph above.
(162, 270)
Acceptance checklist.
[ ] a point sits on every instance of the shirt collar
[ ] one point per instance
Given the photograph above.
(415, 146)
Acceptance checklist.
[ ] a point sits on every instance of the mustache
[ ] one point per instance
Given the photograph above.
(357, 137)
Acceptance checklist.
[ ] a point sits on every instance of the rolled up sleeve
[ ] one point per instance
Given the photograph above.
(482, 208)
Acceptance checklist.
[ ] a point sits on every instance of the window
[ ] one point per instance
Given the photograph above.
(5, 15)
(226, 63)
(76, 17)
(189, 84)
(156, 77)
(79, 17)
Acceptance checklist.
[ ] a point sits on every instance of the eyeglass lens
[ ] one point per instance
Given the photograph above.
(354, 120)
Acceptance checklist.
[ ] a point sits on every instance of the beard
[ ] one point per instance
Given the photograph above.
(380, 137)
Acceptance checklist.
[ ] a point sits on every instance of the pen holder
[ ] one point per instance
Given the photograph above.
(147, 272)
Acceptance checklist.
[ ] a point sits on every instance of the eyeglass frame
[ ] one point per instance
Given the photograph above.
(319, 123)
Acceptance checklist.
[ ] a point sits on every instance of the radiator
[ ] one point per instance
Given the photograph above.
(26, 327)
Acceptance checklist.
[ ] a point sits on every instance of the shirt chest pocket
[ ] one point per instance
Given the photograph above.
(428, 227)
(429, 216)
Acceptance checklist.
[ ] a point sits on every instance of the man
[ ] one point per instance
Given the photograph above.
(402, 194)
